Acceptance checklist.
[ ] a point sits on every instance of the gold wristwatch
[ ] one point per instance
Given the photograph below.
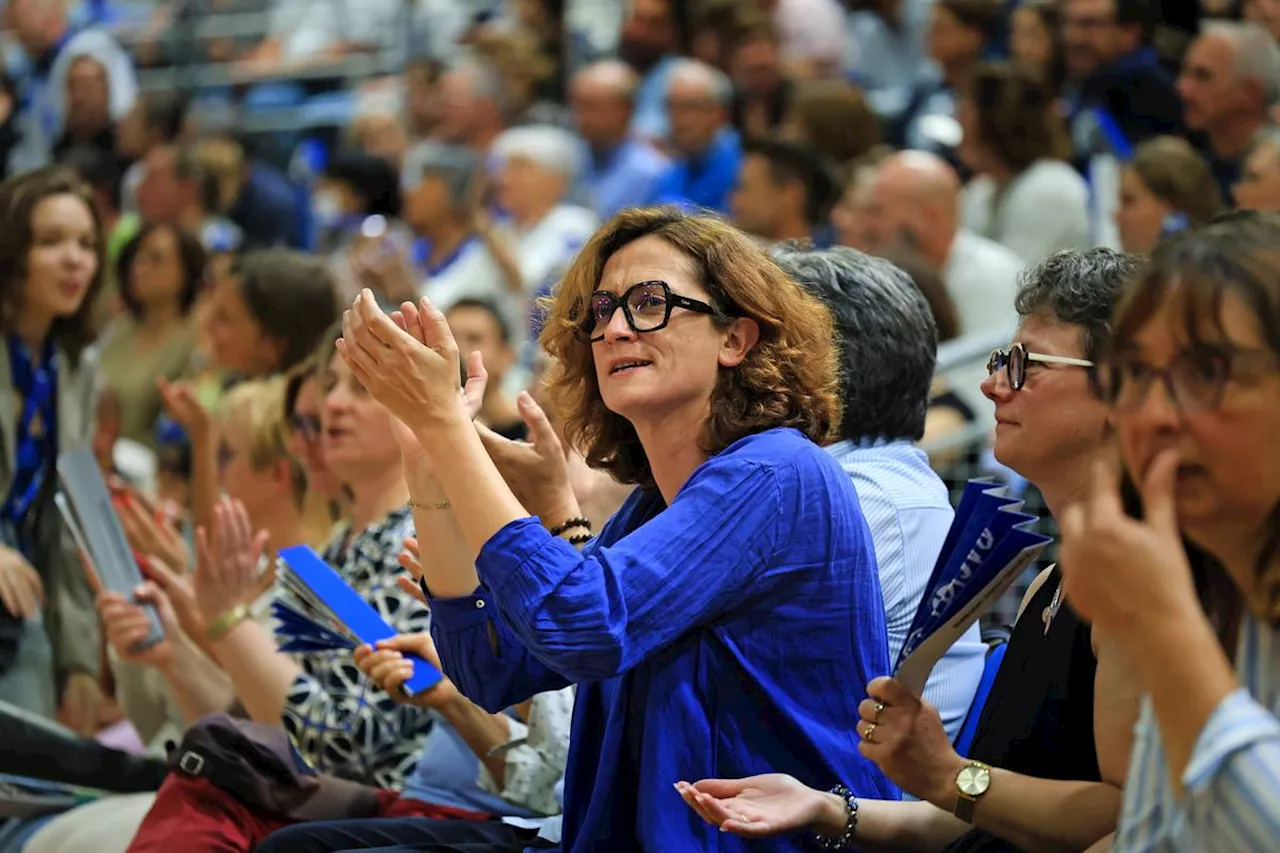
(972, 782)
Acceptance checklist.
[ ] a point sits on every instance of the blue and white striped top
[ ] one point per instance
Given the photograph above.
(1231, 786)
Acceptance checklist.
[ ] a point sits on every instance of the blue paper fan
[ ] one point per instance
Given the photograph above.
(989, 544)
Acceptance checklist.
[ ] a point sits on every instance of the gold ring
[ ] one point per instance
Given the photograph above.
(879, 711)
(871, 728)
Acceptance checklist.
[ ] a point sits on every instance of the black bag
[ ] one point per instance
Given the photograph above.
(259, 764)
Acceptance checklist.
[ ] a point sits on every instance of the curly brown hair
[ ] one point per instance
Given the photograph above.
(790, 378)
(19, 197)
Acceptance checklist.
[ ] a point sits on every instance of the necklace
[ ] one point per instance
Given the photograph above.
(1051, 611)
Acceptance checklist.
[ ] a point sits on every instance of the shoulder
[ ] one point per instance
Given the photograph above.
(570, 218)
(988, 253)
(1046, 178)
(794, 464)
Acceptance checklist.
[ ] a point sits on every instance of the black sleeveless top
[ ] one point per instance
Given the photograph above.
(1038, 719)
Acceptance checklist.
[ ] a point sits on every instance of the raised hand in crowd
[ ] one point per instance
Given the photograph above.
(181, 404)
(228, 577)
(149, 532)
(415, 377)
(536, 471)
(1124, 575)
(125, 624)
(82, 704)
(387, 667)
(382, 267)
(21, 590)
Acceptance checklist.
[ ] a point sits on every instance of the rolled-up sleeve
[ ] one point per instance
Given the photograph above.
(1231, 784)
(595, 614)
(483, 658)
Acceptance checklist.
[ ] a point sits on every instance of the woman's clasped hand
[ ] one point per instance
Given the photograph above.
(413, 370)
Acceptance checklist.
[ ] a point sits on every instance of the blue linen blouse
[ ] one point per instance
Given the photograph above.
(728, 634)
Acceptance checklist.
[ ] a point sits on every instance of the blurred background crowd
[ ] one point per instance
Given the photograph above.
(256, 163)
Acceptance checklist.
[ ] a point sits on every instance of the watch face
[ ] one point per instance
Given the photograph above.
(973, 781)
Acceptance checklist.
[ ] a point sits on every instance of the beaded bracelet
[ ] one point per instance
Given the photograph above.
(845, 839)
(581, 539)
(569, 524)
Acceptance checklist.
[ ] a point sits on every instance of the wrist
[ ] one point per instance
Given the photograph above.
(832, 817)
(228, 621)
(942, 790)
(1169, 643)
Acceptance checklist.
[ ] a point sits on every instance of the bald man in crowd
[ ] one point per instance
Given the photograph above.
(913, 203)
(620, 170)
(1230, 80)
(707, 149)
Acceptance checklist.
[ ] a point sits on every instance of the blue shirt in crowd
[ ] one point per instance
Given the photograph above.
(704, 181)
(728, 634)
(623, 177)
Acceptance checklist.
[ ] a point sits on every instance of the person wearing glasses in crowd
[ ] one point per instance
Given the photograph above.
(1048, 761)
(1194, 385)
(687, 363)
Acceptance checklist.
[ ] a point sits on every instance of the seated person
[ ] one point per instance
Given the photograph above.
(1049, 759)
(735, 546)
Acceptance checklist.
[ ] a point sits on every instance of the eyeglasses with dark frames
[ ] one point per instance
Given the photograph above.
(1014, 363)
(647, 307)
(1195, 379)
(307, 427)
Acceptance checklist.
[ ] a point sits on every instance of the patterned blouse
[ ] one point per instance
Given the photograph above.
(342, 723)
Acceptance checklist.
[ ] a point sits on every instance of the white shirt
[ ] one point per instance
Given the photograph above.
(472, 273)
(543, 248)
(1041, 211)
(982, 278)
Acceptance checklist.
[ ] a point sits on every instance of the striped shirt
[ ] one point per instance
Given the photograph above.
(1231, 799)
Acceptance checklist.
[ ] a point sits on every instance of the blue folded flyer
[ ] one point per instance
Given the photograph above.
(989, 545)
(315, 610)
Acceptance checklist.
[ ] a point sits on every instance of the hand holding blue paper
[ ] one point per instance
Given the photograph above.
(317, 611)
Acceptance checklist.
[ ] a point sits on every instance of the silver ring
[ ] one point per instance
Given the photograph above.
(879, 711)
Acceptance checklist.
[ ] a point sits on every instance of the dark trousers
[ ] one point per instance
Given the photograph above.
(405, 835)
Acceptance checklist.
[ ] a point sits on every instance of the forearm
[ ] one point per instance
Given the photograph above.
(1041, 815)
(1187, 675)
(891, 827)
(448, 566)
(483, 732)
(204, 477)
(482, 502)
(261, 675)
(199, 686)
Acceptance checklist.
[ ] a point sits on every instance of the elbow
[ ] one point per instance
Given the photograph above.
(578, 661)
